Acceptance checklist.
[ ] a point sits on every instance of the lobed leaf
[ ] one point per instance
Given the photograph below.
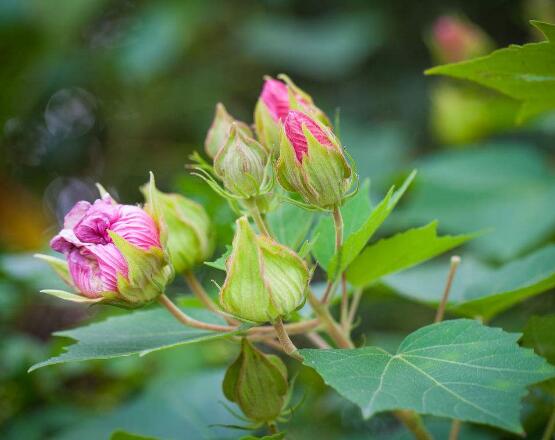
(459, 369)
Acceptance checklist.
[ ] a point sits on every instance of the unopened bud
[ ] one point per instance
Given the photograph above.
(243, 165)
(257, 383)
(218, 132)
(312, 162)
(265, 279)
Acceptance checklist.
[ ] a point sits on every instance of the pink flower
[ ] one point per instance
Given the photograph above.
(294, 124)
(94, 261)
(276, 98)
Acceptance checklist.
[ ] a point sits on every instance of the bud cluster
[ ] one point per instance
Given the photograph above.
(292, 141)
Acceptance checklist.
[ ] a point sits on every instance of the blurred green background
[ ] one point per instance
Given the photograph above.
(97, 90)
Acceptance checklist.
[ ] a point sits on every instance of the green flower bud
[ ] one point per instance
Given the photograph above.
(218, 132)
(257, 383)
(187, 231)
(276, 100)
(264, 279)
(312, 163)
(243, 165)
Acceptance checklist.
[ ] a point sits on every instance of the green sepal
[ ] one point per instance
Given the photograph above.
(244, 165)
(323, 177)
(257, 383)
(185, 228)
(219, 130)
(149, 271)
(59, 266)
(264, 279)
(267, 130)
(74, 297)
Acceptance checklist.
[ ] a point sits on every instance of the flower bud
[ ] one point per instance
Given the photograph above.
(243, 165)
(113, 254)
(218, 132)
(257, 383)
(312, 163)
(455, 39)
(190, 237)
(276, 100)
(265, 279)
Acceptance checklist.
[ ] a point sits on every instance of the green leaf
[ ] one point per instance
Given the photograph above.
(477, 289)
(139, 333)
(290, 224)
(400, 252)
(278, 436)
(123, 435)
(458, 369)
(507, 189)
(58, 265)
(538, 334)
(525, 73)
(183, 407)
(354, 211)
(355, 242)
(219, 263)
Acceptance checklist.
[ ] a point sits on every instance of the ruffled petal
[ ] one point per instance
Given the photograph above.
(137, 227)
(85, 273)
(110, 263)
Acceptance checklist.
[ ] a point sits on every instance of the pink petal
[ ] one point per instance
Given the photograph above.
(294, 124)
(75, 214)
(137, 227)
(110, 263)
(276, 97)
(85, 274)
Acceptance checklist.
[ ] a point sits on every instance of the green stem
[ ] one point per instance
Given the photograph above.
(414, 424)
(285, 341)
(333, 328)
(455, 429)
(330, 287)
(550, 428)
(199, 291)
(257, 217)
(272, 428)
(189, 321)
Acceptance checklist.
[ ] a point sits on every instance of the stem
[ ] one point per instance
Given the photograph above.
(272, 428)
(293, 329)
(318, 341)
(354, 306)
(550, 428)
(187, 320)
(455, 429)
(344, 317)
(285, 341)
(332, 327)
(199, 291)
(257, 217)
(338, 225)
(455, 261)
(414, 424)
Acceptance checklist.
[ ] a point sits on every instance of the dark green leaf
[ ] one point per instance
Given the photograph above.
(477, 289)
(506, 189)
(290, 224)
(443, 369)
(400, 252)
(139, 333)
(180, 408)
(123, 435)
